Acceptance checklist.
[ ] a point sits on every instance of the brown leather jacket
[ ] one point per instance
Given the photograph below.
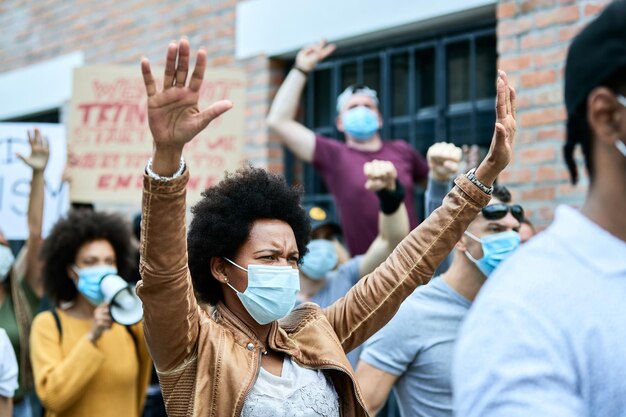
(208, 360)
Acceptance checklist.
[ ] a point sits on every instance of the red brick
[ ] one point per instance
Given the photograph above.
(538, 40)
(557, 133)
(548, 96)
(505, 10)
(516, 176)
(568, 33)
(550, 57)
(569, 190)
(535, 79)
(514, 27)
(535, 155)
(546, 174)
(514, 63)
(507, 45)
(542, 117)
(539, 193)
(593, 9)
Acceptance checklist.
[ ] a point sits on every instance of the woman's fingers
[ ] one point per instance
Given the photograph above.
(183, 63)
(198, 72)
(148, 79)
(170, 65)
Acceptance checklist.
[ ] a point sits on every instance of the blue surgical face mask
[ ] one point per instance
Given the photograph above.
(496, 248)
(360, 122)
(89, 281)
(320, 259)
(6, 262)
(271, 292)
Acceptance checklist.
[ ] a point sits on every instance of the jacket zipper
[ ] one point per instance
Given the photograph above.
(249, 388)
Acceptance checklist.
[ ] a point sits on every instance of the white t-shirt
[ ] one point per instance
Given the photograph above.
(8, 367)
(296, 392)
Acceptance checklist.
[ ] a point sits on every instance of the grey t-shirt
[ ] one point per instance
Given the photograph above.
(546, 335)
(338, 283)
(417, 346)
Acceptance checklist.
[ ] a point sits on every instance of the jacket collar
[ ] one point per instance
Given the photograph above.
(278, 338)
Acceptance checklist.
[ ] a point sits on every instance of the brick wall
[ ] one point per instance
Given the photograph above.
(120, 32)
(533, 37)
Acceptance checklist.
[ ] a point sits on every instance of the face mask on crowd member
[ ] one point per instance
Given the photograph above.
(358, 115)
(89, 280)
(621, 146)
(360, 122)
(320, 259)
(494, 235)
(271, 291)
(6, 262)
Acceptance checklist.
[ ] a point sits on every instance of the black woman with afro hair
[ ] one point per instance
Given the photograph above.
(83, 362)
(219, 302)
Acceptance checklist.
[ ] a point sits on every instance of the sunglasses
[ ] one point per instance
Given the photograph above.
(498, 211)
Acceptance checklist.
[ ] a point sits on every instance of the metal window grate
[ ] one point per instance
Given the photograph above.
(440, 88)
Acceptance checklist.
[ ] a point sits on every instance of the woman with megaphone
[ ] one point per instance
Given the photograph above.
(89, 355)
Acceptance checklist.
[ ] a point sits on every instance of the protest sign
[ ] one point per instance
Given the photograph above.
(15, 178)
(111, 142)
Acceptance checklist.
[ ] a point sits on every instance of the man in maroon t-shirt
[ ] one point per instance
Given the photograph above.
(341, 164)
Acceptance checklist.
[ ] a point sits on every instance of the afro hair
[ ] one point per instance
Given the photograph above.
(222, 221)
(68, 235)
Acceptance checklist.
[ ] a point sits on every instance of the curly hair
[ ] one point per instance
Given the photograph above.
(68, 235)
(224, 217)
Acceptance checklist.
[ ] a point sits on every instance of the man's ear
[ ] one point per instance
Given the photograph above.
(603, 115)
(460, 245)
(218, 269)
(339, 123)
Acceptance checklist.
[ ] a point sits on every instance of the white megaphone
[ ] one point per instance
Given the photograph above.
(124, 305)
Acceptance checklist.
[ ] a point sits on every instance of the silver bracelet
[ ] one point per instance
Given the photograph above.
(158, 177)
(474, 180)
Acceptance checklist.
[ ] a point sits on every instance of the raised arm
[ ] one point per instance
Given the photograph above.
(281, 119)
(393, 219)
(372, 302)
(170, 310)
(37, 161)
(443, 163)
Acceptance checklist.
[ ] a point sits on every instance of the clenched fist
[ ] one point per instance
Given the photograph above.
(443, 160)
(380, 175)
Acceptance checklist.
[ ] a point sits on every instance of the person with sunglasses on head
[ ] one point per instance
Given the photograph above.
(413, 352)
(341, 163)
(546, 335)
(219, 302)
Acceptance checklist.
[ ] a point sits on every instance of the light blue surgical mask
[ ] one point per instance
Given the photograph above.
(496, 248)
(621, 147)
(271, 292)
(320, 259)
(89, 281)
(6, 262)
(360, 122)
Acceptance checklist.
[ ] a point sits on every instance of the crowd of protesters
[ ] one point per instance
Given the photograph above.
(263, 307)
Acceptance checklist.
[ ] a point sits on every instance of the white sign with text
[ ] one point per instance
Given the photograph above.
(15, 178)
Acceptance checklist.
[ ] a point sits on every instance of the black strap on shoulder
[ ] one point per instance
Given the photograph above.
(134, 337)
(55, 315)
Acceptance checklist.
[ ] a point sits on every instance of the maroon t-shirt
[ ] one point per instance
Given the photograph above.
(341, 167)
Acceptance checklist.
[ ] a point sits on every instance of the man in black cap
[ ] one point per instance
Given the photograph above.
(546, 334)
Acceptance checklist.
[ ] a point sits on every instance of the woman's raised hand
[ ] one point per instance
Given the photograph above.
(173, 113)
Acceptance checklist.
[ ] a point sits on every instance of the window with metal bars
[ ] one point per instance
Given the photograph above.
(440, 88)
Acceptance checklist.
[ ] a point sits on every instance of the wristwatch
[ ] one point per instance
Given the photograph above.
(471, 175)
(154, 175)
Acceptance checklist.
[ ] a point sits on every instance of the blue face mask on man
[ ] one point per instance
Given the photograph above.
(89, 281)
(271, 292)
(496, 248)
(320, 259)
(360, 122)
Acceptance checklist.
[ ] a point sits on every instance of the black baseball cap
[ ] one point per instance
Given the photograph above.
(595, 55)
(320, 216)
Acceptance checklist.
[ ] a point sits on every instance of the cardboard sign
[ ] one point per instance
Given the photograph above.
(110, 138)
(15, 178)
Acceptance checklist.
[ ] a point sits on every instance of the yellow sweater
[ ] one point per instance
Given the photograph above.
(75, 378)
